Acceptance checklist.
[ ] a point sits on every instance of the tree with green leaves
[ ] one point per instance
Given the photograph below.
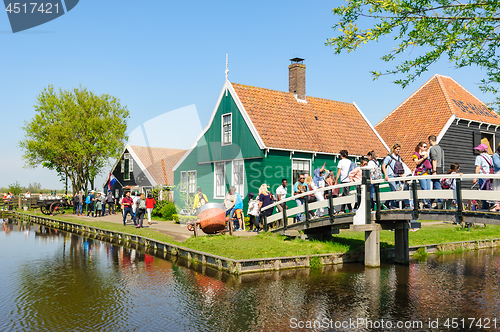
(75, 132)
(15, 188)
(466, 33)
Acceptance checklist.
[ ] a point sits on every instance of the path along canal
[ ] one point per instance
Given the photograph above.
(57, 281)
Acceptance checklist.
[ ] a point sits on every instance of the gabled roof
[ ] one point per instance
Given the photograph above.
(149, 160)
(277, 120)
(429, 111)
(317, 125)
(157, 162)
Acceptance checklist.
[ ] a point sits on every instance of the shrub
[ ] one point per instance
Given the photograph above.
(164, 209)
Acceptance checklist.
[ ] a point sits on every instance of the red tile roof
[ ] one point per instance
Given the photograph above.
(152, 159)
(320, 125)
(426, 112)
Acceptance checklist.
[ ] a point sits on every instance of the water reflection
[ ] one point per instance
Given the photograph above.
(54, 281)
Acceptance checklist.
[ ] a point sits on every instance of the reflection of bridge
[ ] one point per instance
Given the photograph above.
(399, 220)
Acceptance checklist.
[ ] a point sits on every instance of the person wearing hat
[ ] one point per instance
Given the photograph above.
(483, 163)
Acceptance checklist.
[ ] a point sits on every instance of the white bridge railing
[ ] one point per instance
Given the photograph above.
(363, 213)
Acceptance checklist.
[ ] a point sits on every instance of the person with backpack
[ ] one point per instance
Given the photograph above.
(141, 210)
(423, 167)
(90, 203)
(110, 200)
(356, 175)
(375, 173)
(344, 166)
(126, 205)
(436, 157)
(393, 167)
(484, 165)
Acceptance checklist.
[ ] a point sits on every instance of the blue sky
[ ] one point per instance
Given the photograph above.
(158, 56)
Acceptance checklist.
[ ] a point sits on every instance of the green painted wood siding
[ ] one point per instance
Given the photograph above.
(243, 143)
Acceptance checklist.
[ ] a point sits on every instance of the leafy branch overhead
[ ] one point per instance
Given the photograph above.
(74, 132)
(466, 33)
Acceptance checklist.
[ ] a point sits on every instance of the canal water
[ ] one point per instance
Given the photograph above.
(55, 281)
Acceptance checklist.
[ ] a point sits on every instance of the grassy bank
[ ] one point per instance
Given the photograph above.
(432, 235)
(264, 245)
(267, 245)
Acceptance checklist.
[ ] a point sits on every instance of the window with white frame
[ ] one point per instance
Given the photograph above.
(126, 166)
(191, 182)
(300, 166)
(227, 133)
(239, 176)
(183, 182)
(220, 179)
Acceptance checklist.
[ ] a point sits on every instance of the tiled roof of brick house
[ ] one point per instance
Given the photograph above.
(159, 162)
(427, 111)
(318, 125)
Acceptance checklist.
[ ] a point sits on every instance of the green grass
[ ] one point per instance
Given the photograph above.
(432, 235)
(266, 245)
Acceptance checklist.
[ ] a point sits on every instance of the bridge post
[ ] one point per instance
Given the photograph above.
(460, 206)
(415, 199)
(266, 226)
(366, 183)
(378, 214)
(402, 244)
(372, 235)
(306, 210)
(330, 205)
(285, 217)
(372, 246)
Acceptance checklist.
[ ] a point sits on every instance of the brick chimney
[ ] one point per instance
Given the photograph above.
(297, 78)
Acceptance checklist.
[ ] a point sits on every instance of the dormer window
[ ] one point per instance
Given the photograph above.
(227, 132)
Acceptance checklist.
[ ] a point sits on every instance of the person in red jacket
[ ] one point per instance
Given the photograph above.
(150, 204)
(127, 207)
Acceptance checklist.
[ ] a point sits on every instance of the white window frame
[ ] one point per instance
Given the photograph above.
(299, 159)
(191, 187)
(493, 147)
(122, 165)
(183, 181)
(230, 128)
(126, 175)
(223, 177)
(240, 189)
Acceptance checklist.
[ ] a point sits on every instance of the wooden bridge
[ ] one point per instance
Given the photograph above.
(400, 220)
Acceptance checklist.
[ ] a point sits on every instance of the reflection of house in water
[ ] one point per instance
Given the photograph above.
(141, 168)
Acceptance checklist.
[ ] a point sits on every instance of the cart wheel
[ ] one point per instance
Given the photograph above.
(45, 210)
(190, 228)
(56, 208)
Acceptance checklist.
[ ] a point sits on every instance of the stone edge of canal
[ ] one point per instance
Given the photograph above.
(242, 266)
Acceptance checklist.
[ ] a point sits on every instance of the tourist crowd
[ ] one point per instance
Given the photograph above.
(428, 159)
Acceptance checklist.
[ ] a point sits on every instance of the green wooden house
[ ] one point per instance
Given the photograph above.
(258, 135)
